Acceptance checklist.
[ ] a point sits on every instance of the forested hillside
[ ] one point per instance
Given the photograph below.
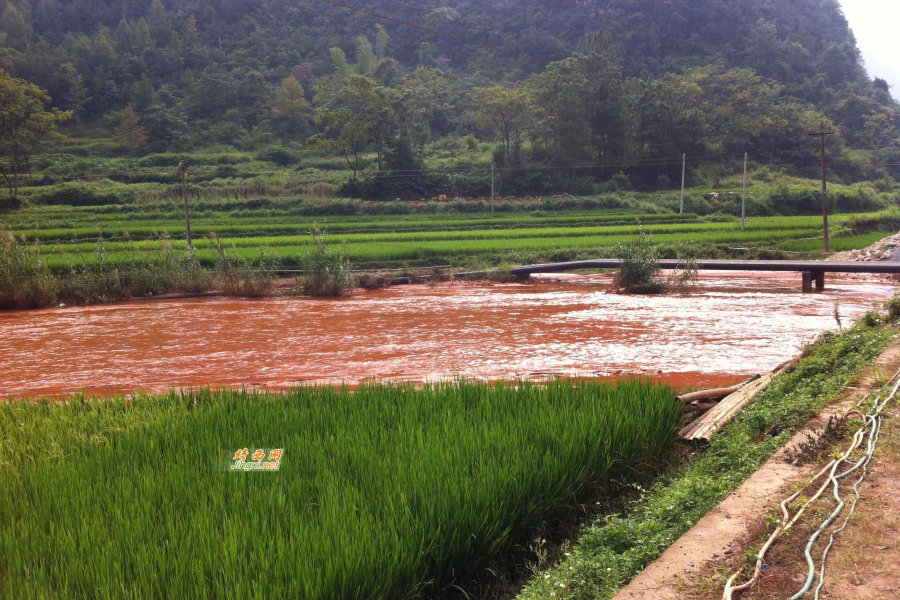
(568, 82)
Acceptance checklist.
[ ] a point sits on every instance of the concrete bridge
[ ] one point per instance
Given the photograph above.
(811, 270)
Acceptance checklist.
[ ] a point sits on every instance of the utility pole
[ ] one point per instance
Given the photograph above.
(492, 188)
(744, 201)
(821, 135)
(683, 171)
(182, 169)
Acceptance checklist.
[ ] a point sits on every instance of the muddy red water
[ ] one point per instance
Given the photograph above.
(731, 327)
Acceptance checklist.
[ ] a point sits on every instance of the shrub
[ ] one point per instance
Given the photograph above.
(160, 160)
(77, 195)
(25, 280)
(326, 272)
(237, 277)
(640, 267)
(278, 155)
(893, 309)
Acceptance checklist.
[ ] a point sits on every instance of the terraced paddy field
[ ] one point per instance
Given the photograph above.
(74, 237)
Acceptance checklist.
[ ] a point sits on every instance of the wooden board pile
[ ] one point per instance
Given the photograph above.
(720, 406)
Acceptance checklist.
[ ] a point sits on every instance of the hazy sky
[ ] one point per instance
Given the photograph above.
(875, 23)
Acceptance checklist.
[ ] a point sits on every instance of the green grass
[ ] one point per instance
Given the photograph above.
(612, 550)
(388, 492)
(385, 252)
(839, 244)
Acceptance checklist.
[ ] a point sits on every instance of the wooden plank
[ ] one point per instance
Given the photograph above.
(724, 412)
(715, 394)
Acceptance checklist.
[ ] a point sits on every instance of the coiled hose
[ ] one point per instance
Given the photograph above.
(871, 426)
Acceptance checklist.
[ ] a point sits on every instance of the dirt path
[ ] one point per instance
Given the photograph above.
(865, 562)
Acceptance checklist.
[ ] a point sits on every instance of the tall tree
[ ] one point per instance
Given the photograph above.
(25, 125)
(339, 61)
(291, 109)
(366, 61)
(129, 131)
(501, 112)
(382, 39)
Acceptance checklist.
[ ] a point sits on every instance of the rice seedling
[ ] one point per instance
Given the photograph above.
(387, 492)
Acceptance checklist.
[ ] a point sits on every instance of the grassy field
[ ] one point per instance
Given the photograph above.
(384, 493)
(84, 237)
(840, 244)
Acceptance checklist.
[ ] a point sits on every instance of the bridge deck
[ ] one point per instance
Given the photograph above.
(811, 266)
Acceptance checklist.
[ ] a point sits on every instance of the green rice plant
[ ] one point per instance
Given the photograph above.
(387, 492)
(326, 272)
(838, 244)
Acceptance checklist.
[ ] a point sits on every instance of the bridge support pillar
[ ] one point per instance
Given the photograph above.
(807, 281)
(820, 279)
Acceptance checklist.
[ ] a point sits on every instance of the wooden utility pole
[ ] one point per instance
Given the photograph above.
(683, 172)
(182, 170)
(821, 135)
(744, 200)
(492, 188)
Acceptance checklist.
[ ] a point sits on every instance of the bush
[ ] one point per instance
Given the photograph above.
(893, 309)
(25, 280)
(640, 267)
(237, 277)
(277, 154)
(9, 203)
(73, 150)
(77, 195)
(326, 272)
(160, 160)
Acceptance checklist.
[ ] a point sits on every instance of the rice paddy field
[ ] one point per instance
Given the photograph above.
(80, 236)
(389, 492)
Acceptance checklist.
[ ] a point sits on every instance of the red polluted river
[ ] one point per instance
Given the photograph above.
(730, 327)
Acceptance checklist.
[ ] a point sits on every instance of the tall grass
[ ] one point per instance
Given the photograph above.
(326, 271)
(25, 280)
(236, 276)
(388, 492)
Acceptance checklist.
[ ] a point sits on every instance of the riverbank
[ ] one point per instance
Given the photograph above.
(612, 550)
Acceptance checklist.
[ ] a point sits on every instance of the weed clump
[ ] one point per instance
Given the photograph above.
(326, 272)
(639, 272)
(640, 268)
(25, 280)
(892, 307)
(237, 277)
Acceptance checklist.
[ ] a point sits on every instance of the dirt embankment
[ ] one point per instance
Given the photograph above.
(864, 563)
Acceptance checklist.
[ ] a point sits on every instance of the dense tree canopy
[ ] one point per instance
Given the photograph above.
(567, 81)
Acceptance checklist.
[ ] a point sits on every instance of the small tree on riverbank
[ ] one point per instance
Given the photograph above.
(25, 126)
